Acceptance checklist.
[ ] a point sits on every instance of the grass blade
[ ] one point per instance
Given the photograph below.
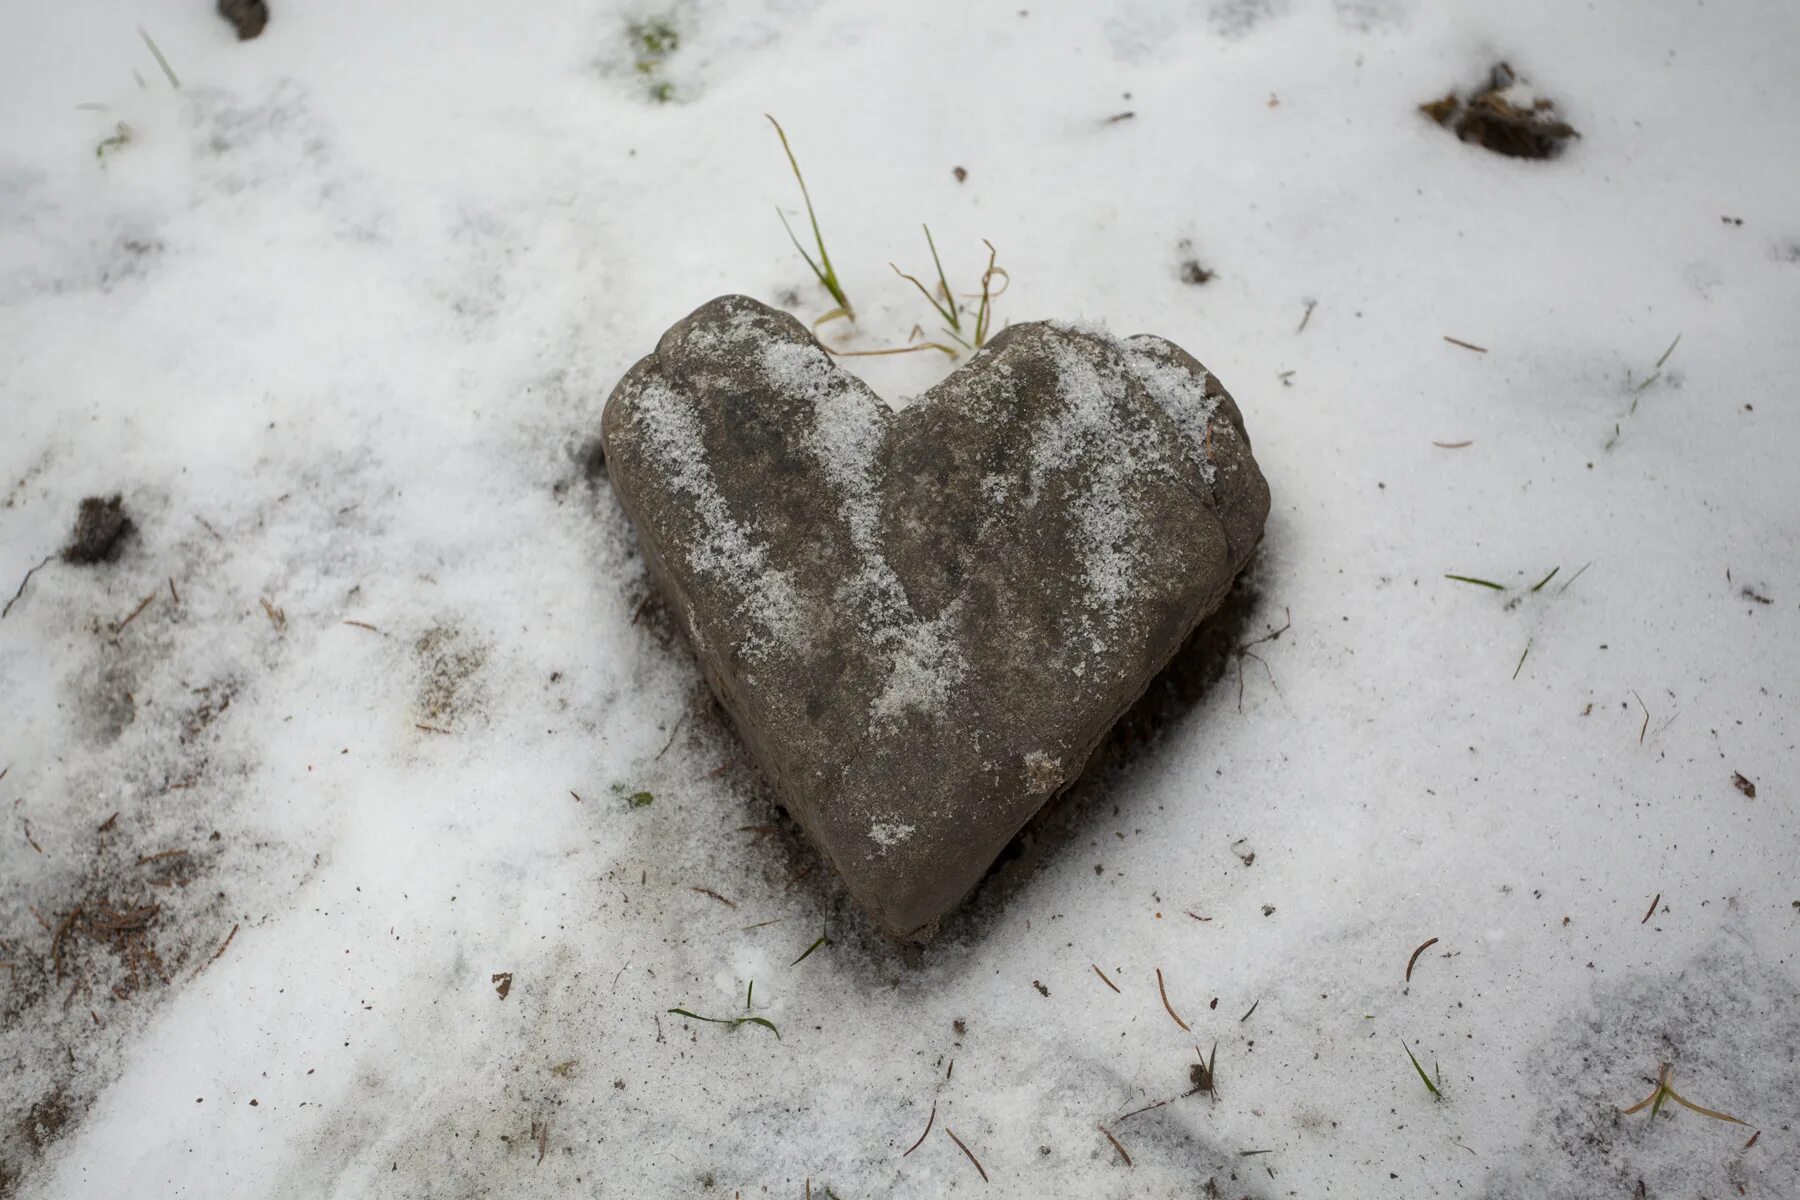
(1423, 1077)
(823, 269)
(1486, 583)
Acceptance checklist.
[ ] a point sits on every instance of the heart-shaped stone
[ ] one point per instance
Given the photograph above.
(923, 622)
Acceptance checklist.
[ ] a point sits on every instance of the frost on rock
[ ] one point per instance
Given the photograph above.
(723, 549)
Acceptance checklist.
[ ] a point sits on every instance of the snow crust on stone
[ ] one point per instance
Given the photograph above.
(887, 834)
(1085, 441)
(723, 548)
(925, 661)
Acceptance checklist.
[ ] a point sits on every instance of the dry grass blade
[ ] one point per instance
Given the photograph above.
(1103, 979)
(959, 1145)
(1424, 946)
(169, 72)
(1169, 1008)
(929, 1122)
(1465, 345)
(1665, 1092)
(1651, 911)
(1116, 1145)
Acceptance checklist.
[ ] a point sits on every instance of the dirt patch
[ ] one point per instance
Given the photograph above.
(101, 528)
(449, 663)
(1505, 117)
(248, 17)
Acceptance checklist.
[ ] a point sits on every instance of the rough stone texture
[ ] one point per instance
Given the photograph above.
(922, 622)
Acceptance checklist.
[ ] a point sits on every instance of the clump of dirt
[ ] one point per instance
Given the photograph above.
(248, 17)
(101, 528)
(1192, 272)
(1504, 117)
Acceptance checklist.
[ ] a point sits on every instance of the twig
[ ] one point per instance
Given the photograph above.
(1103, 979)
(1165, 999)
(142, 604)
(967, 1151)
(1115, 1143)
(1423, 946)
(1465, 345)
(929, 1121)
(22, 583)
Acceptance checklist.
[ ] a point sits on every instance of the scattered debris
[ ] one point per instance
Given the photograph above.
(1504, 117)
(1465, 345)
(1103, 979)
(502, 983)
(961, 174)
(1042, 990)
(1743, 785)
(1191, 271)
(1651, 911)
(1117, 117)
(1307, 315)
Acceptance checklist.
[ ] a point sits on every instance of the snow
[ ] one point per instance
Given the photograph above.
(337, 318)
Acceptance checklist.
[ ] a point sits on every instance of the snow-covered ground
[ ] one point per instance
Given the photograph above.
(319, 874)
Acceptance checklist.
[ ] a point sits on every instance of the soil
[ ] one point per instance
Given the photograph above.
(101, 528)
(248, 17)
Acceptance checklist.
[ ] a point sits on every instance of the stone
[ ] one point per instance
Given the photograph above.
(922, 622)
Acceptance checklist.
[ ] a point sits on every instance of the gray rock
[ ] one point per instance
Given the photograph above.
(923, 622)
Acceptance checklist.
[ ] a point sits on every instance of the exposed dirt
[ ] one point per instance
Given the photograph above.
(248, 17)
(101, 528)
(1501, 117)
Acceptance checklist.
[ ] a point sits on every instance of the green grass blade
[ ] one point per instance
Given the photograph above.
(1539, 585)
(824, 270)
(943, 284)
(822, 941)
(1486, 583)
(1423, 1077)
